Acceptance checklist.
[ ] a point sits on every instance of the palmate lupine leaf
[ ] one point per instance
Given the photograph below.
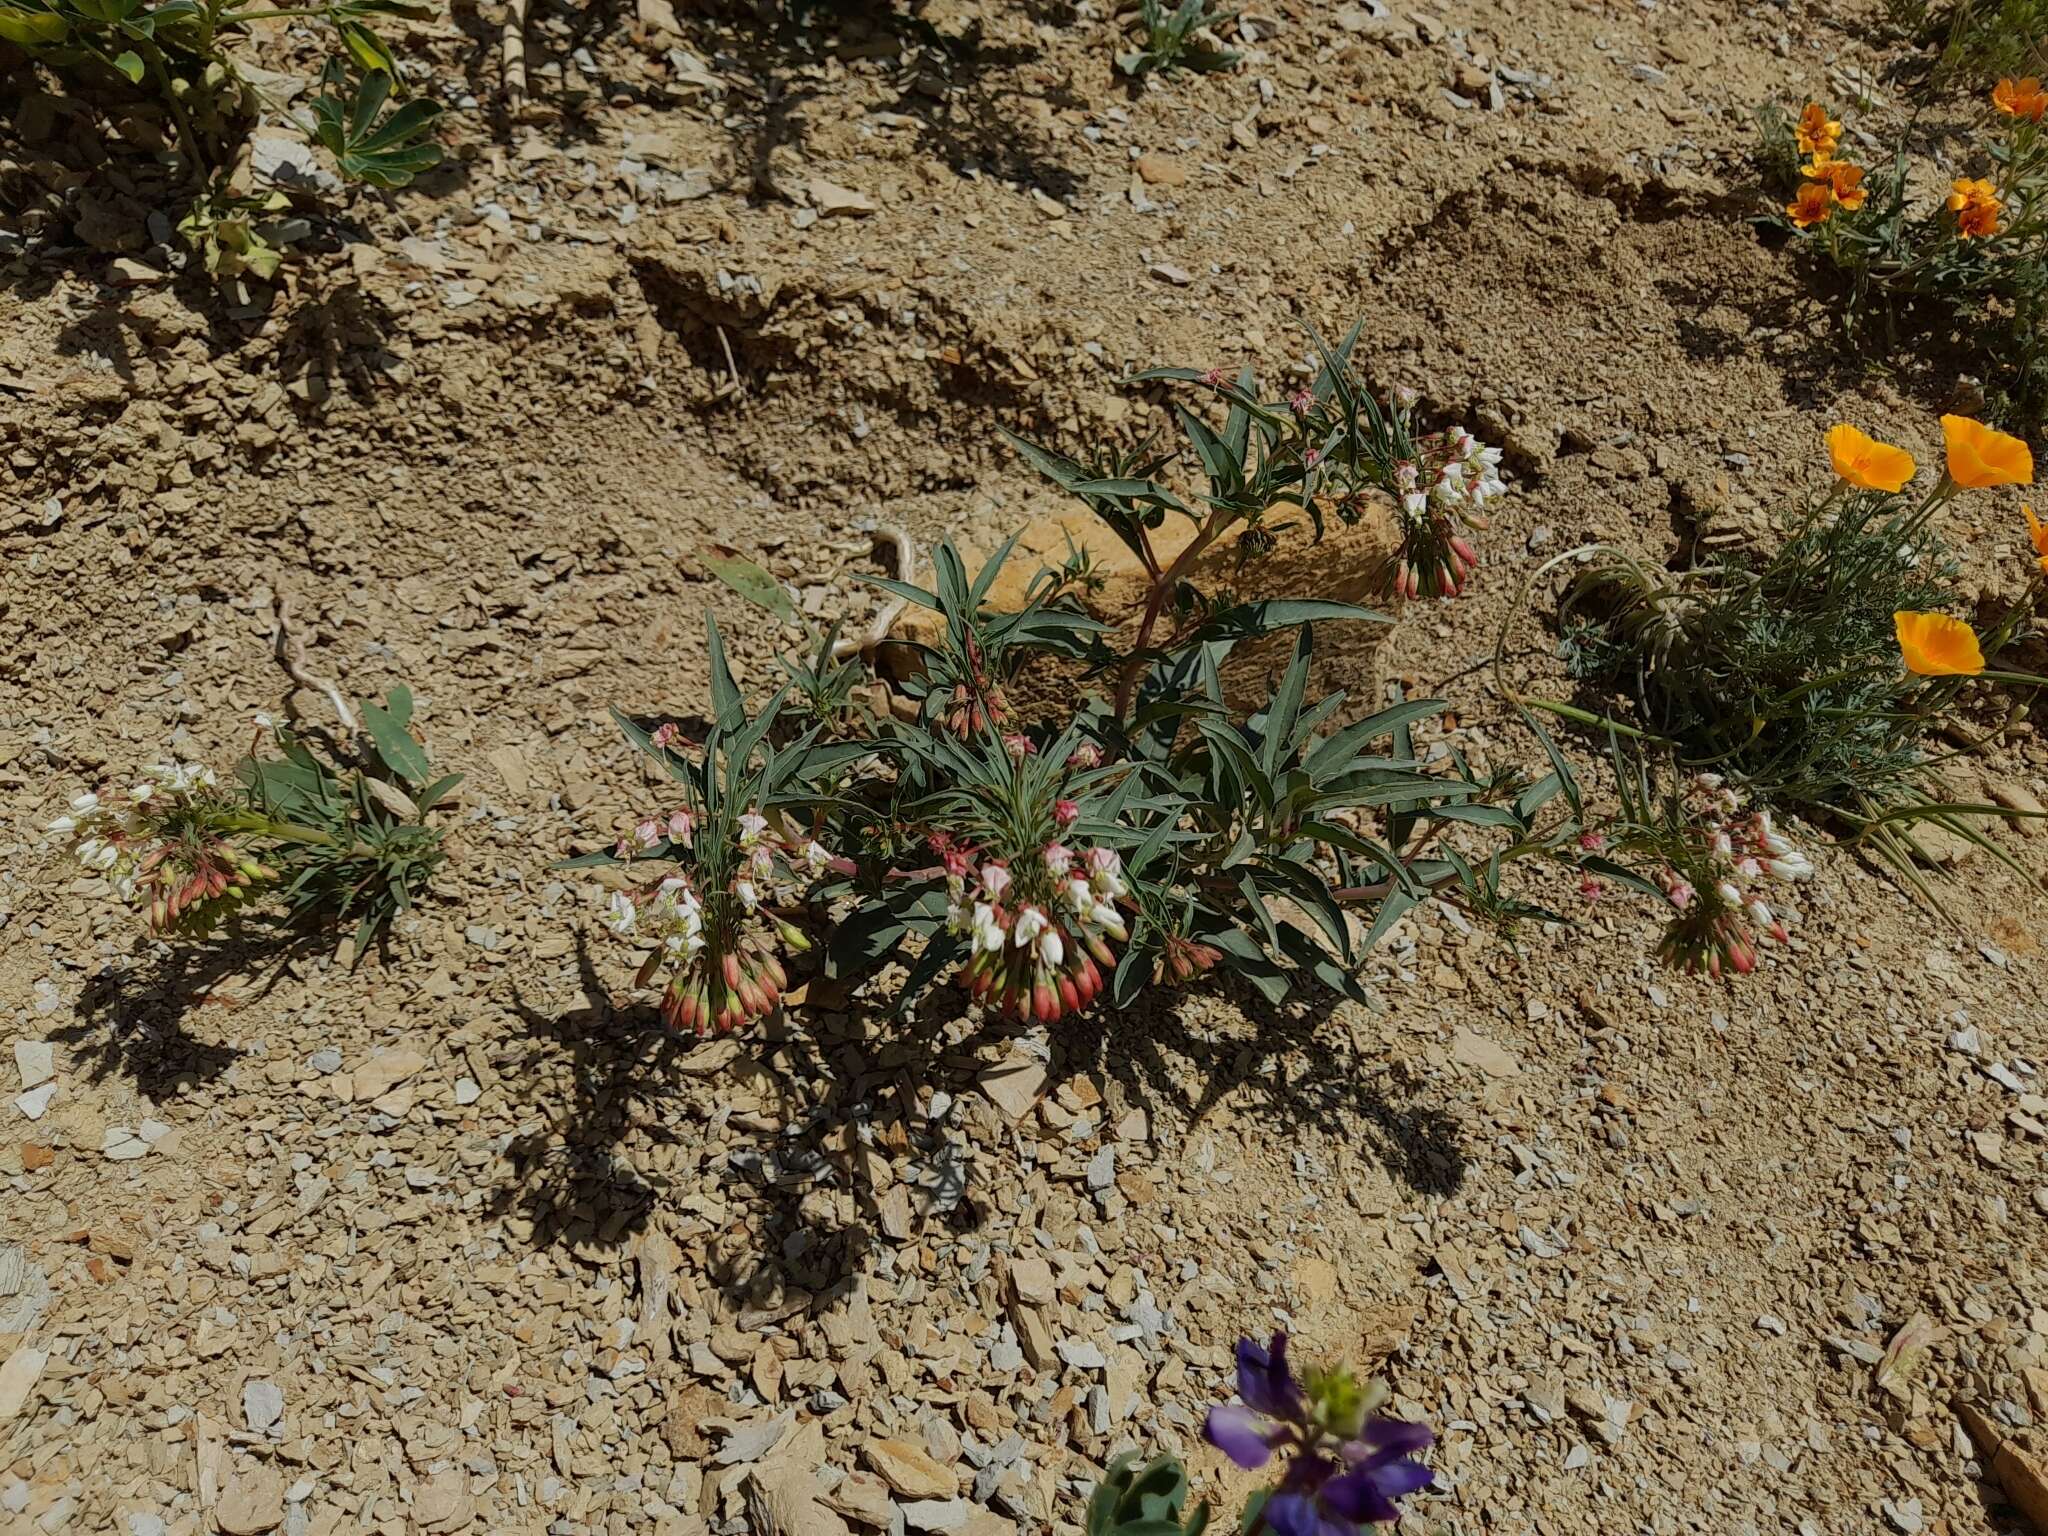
(385, 149)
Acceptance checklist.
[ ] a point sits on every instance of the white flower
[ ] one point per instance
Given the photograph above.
(1416, 505)
(85, 804)
(751, 828)
(1080, 897)
(1059, 858)
(1029, 925)
(682, 828)
(1050, 950)
(988, 933)
(815, 856)
(648, 834)
(761, 864)
(141, 792)
(1729, 893)
(995, 879)
(1109, 920)
(1106, 873)
(749, 896)
(958, 919)
(620, 914)
(1793, 866)
(63, 826)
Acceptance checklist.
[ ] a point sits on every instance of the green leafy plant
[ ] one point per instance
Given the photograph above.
(319, 837)
(1979, 41)
(1270, 468)
(1816, 674)
(1171, 38)
(736, 865)
(1975, 263)
(1095, 846)
(1148, 1499)
(174, 60)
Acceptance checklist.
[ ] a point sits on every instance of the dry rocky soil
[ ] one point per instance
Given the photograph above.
(455, 1240)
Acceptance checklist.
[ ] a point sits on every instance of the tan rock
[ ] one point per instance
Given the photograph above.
(783, 1499)
(383, 1072)
(907, 1469)
(442, 1503)
(252, 1502)
(864, 1497)
(1315, 1278)
(1014, 1084)
(1031, 1282)
(1351, 564)
(1159, 170)
(18, 1378)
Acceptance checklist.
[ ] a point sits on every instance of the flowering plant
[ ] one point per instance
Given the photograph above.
(1321, 452)
(1977, 259)
(1347, 1465)
(1813, 674)
(1049, 863)
(1712, 858)
(736, 865)
(195, 854)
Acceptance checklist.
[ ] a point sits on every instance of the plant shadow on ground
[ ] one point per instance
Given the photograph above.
(956, 85)
(1791, 312)
(793, 1203)
(131, 1017)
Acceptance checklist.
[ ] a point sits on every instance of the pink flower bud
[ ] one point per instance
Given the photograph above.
(1066, 812)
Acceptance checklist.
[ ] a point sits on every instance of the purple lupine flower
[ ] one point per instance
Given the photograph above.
(1325, 1489)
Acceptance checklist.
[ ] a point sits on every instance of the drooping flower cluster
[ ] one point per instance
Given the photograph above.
(165, 843)
(1347, 1467)
(1041, 925)
(1443, 490)
(1732, 853)
(722, 948)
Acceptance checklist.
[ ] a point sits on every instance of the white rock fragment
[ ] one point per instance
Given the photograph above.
(36, 1060)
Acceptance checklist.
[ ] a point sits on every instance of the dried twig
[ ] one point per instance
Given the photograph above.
(290, 652)
(906, 564)
(512, 58)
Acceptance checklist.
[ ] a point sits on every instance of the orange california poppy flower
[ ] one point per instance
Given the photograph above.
(1980, 457)
(1812, 206)
(2020, 98)
(1935, 645)
(1866, 463)
(1845, 181)
(2038, 532)
(1817, 133)
(1975, 204)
